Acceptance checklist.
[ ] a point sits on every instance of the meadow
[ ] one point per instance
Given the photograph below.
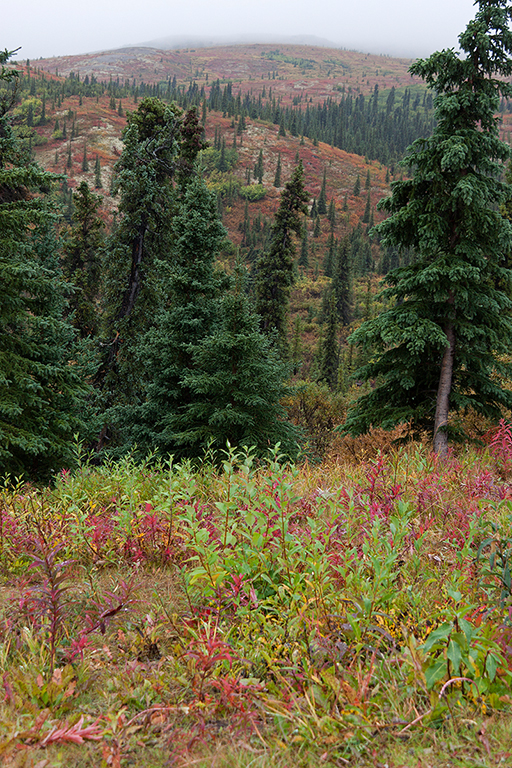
(246, 613)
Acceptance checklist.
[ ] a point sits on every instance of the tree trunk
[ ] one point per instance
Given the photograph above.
(443, 394)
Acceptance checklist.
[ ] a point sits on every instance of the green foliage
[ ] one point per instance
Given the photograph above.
(442, 344)
(274, 270)
(342, 281)
(335, 604)
(39, 389)
(330, 346)
(322, 198)
(82, 260)
(277, 177)
(317, 411)
(252, 192)
(258, 167)
(304, 249)
(236, 382)
(222, 160)
(166, 354)
(134, 269)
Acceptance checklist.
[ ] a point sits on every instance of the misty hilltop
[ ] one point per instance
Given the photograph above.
(173, 42)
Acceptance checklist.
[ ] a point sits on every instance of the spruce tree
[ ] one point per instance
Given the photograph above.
(322, 198)
(330, 346)
(331, 213)
(277, 177)
(137, 255)
(274, 270)
(40, 391)
(443, 345)
(258, 167)
(330, 256)
(342, 282)
(236, 384)
(165, 355)
(97, 174)
(85, 162)
(82, 260)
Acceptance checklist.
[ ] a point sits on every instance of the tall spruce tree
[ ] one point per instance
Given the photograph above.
(40, 391)
(330, 347)
(165, 356)
(322, 197)
(258, 167)
(342, 281)
(274, 270)
(277, 177)
(443, 345)
(137, 256)
(82, 260)
(236, 382)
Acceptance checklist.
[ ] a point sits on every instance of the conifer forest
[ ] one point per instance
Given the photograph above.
(255, 406)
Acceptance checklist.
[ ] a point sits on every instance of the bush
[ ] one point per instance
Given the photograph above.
(252, 192)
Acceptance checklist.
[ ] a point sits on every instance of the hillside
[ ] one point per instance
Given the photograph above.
(299, 69)
(96, 128)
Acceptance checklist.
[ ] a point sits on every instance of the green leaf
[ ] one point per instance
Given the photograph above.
(454, 654)
(435, 672)
(491, 665)
(441, 633)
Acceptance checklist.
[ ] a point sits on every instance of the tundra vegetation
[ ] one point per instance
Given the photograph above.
(183, 582)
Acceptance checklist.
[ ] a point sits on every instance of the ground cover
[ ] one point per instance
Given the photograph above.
(239, 614)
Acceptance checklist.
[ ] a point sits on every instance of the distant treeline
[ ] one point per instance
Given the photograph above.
(379, 127)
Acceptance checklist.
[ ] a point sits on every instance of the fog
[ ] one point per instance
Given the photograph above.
(409, 28)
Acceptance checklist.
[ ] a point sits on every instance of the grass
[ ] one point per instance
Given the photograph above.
(260, 614)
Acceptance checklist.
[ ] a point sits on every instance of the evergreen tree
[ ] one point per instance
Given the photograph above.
(258, 168)
(40, 392)
(166, 354)
(277, 177)
(317, 231)
(42, 119)
(85, 162)
(331, 213)
(442, 346)
(357, 186)
(330, 256)
(274, 270)
(330, 347)
(97, 174)
(82, 260)
(321, 205)
(314, 211)
(342, 283)
(139, 249)
(236, 384)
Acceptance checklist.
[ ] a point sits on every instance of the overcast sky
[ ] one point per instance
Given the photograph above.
(412, 28)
